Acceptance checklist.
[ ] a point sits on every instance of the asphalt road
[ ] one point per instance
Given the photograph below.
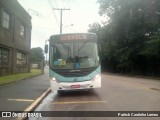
(19, 95)
(118, 93)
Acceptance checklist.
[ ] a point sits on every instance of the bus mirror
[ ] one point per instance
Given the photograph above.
(46, 48)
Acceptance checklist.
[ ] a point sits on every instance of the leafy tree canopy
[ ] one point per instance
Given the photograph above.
(131, 39)
(36, 55)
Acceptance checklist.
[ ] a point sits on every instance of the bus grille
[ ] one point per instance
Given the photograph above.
(80, 73)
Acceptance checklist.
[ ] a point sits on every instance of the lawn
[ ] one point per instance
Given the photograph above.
(16, 77)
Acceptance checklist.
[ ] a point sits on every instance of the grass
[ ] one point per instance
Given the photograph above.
(17, 77)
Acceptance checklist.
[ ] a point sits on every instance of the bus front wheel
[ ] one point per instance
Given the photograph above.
(60, 92)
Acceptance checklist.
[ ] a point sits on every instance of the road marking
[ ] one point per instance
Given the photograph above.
(37, 101)
(21, 100)
(78, 102)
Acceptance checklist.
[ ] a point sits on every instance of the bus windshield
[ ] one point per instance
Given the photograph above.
(74, 55)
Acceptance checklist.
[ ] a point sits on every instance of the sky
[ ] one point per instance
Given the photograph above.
(46, 21)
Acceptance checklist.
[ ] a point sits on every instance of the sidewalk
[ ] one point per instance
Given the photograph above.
(19, 95)
(129, 75)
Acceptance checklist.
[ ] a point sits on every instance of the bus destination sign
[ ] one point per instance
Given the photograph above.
(76, 37)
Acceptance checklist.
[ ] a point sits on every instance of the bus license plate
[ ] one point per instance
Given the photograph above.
(75, 86)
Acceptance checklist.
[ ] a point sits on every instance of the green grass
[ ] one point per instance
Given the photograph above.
(16, 77)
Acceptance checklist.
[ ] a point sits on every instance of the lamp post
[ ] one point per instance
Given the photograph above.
(68, 26)
(33, 11)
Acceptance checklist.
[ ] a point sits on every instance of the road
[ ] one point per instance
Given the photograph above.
(118, 93)
(19, 95)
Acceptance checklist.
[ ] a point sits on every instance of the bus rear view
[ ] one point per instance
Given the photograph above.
(74, 62)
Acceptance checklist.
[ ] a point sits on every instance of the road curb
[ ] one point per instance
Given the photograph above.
(34, 105)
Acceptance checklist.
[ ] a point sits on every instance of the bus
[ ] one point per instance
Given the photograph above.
(74, 62)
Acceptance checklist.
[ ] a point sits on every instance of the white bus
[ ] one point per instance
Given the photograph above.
(74, 62)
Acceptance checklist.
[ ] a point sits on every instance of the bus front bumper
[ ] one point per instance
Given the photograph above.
(96, 83)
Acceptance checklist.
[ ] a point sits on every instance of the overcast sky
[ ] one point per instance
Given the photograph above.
(47, 22)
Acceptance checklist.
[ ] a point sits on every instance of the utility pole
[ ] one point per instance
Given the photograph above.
(60, 17)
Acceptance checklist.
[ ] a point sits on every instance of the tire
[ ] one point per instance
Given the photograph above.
(60, 92)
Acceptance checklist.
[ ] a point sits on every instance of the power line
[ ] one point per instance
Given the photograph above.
(69, 12)
(61, 11)
(55, 2)
(51, 6)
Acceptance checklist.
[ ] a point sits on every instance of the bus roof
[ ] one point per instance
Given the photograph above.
(72, 34)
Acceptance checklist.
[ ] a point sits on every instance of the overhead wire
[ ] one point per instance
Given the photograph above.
(52, 7)
(67, 2)
(69, 12)
(64, 18)
(70, 18)
(67, 5)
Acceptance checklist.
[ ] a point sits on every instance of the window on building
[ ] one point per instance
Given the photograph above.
(21, 58)
(6, 20)
(22, 32)
(4, 56)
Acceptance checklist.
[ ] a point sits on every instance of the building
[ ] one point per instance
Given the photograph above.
(15, 38)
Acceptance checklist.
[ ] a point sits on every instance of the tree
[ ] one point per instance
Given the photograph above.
(130, 40)
(36, 55)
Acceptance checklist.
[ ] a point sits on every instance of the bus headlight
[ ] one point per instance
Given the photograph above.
(54, 79)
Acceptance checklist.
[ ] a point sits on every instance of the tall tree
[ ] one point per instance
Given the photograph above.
(36, 55)
(132, 35)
